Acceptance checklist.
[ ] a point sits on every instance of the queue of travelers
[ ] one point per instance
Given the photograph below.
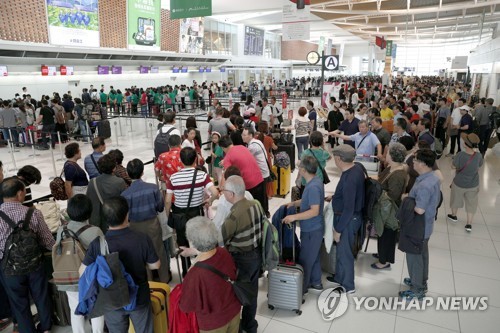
(406, 127)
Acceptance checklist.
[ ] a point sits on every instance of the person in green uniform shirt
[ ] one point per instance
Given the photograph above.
(104, 98)
(158, 97)
(118, 100)
(134, 99)
(173, 95)
(112, 100)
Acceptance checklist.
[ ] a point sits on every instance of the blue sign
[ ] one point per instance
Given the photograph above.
(184, 69)
(175, 69)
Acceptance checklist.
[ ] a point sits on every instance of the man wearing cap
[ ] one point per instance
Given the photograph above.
(456, 115)
(347, 203)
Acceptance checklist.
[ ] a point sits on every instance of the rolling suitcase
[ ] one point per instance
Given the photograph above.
(159, 293)
(104, 129)
(290, 150)
(285, 284)
(282, 183)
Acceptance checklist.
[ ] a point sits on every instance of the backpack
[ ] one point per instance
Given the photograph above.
(373, 192)
(161, 142)
(438, 147)
(57, 188)
(22, 253)
(67, 256)
(494, 117)
(270, 242)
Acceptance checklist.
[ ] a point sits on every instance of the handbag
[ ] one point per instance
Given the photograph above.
(178, 221)
(326, 179)
(57, 188)
(243, 289)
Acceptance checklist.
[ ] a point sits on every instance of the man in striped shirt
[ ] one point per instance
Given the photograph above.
(242, 235)
(180, 185)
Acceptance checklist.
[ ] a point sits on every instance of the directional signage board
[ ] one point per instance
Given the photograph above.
(331, 63)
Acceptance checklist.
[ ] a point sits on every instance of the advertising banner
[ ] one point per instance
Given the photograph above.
(296, 17)
(193, 8)
(144, 24)
(73, 23)
(191, 39)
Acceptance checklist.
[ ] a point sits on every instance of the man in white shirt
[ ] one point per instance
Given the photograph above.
(256, 147)
(456, 116)
(277, 113)
(267, 113)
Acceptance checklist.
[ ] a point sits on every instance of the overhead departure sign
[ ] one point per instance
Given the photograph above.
(331, 63)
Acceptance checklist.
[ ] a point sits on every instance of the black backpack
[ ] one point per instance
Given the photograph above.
(494, 117)
(373, 192)
(22, 253)
(161, 142)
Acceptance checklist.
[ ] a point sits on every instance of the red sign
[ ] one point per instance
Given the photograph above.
(284, 101)
(63, 70)
(45, 70)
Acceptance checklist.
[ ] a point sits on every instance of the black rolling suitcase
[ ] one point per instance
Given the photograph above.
(290, 150)
(104, 112)
(61, 313)
(104, 129)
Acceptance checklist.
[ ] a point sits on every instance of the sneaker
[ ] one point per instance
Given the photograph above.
(407, 282)
(317, 287)
(331, 278)
(453, 218)
(409, 295)
(468, 228)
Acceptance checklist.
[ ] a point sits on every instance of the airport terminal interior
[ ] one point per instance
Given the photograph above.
(426, 54)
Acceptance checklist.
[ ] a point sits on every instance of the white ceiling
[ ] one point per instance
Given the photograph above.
(359, 21)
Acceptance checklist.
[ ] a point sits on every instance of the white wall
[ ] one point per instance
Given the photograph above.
(38, 85)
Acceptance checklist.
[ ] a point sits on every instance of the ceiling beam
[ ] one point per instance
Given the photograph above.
(417, 10)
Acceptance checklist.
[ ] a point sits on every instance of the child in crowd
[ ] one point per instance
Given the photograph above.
(217, 155)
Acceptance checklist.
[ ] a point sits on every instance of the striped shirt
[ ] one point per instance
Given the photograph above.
(17, 212)
(180, 186)
(242, 229)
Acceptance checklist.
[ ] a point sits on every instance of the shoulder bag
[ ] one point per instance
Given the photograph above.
(243, 289)
(465, 166)
(178, 221)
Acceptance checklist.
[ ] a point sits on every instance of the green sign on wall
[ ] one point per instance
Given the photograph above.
(388, 48)
(190, 8)
(144, 24)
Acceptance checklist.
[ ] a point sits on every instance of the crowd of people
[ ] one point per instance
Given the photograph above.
(403, 128)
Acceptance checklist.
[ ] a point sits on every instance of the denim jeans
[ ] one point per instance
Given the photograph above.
(18, 288)
(302, 144)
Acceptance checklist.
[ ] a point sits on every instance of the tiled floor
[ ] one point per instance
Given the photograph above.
(461, 264)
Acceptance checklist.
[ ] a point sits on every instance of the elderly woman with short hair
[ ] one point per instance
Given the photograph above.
(205, 293)
(393, 180)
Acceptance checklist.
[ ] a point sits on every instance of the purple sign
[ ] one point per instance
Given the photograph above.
(222, 69)
(101, 70)
(208, 69)
(143, 70)
(116, 69)
(201, 69)
(175, 69)
(155, 69)
(184, 70)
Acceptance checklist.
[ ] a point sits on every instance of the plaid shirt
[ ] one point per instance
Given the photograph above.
(17, 212)
(121, 172)
(169, 163)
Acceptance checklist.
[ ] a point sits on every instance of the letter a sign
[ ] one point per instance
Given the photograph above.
(331, 63)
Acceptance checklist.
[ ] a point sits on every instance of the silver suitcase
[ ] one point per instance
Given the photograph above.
(285, 285)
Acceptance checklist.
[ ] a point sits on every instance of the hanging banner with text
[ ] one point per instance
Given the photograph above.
(144, 24)
(73, 24)
(191, 35)
(190, 8)
(296, 17)
(388, 50)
